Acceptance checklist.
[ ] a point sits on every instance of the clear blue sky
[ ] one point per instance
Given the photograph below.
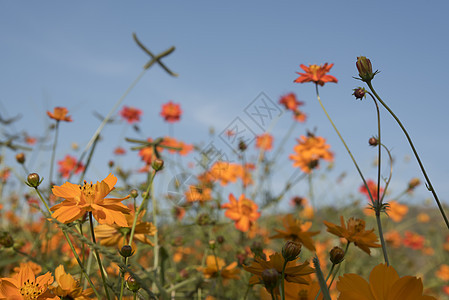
(81, 55)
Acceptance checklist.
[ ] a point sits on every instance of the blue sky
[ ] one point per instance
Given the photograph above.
(82, 56)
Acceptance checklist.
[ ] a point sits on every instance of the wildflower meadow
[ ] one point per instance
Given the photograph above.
(219, 231)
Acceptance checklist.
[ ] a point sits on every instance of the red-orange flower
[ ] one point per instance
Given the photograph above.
(60, 114)
(413, 240)
(264, 142)
(317, 74)
(243, 212)
(396, 211)
(309, 151)
(131, 114)
(290, 102)
(25, 285)
(90, 198)
(68, 164)
(171, 112)
(119, 151)
(372, 186)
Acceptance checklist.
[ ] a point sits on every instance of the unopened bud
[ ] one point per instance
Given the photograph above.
(20, 157)
(365, 69)
(270, 278)
(126, 251)
(373, 141)
(220, 239)
(134, 193)
(337, 255)
(242, 146)
(212, 244)
(33, 180)
(414, 182)
(359, 93)
(132, 284)
(158, 164)
(6, 239)
(291, 250)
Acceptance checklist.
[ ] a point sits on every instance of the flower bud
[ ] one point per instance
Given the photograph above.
(6, 239)
(242, 146)
(20, 157)
(132, 284)
(359, 93)
(337, 255)
(270, 278)
(33, 180)
(365, 69)
(414, 182)
(373, 141)
(134, 193)
(126, 251)
(291, 250)
(212, 244)
(158, 164)
(220, 239)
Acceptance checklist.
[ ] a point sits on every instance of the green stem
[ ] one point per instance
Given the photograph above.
(429, 184)
(122, 284)
(378, 202)
(97, 255)
(53, 153)
(282, 291)
(344, 143)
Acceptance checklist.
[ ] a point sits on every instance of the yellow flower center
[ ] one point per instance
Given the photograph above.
(30, 290)
(89, 190)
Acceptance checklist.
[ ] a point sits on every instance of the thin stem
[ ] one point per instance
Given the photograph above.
(122, 284)
(100, 265)
(344, 143)
(53, 153)
(378, 202)
(429, 184)
(282, 280)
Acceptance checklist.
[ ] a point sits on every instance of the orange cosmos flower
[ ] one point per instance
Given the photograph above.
(217, 264)
(243, 212)
(68, 287)
(60, 114)
(293, 273)
(309, 151)
(397, 211)
(68, 164)
(443, 272)
(355, 232)
(90, 198)
(295, 231)
(180, 147)
(290, 102)
(299, 116)
(171, 112)
(131, 114)
(30, 140)
(384, 283)
(264, 142)
(317, 74)
(198, 193)
(119, 151)
(393, 238)
(25, 285)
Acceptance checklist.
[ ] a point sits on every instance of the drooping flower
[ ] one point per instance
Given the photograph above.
(131, 114)
(384, 284)
(171, 112)
(68, 287)
(309, 151)
(264, 142)
(243, 212)
(295, 231)
(60, 114)
(69, 164)
(90, 198)
(25, 285)
(355, 232)
(293, 272)
(316, 74)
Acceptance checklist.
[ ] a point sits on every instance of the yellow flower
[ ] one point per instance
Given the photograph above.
(384, 284)
(90, 198)
(25, 285)
(214, 265)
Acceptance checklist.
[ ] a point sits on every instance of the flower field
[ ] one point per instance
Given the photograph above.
(223, 233)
